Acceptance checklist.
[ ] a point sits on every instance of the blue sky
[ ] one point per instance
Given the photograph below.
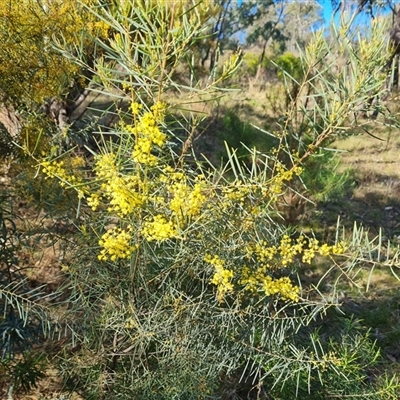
(327, 10)
(361, 21)
(327, 7)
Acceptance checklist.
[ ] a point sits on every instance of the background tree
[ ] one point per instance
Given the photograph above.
(265, 27)
(218, 35)
(35, 76)
(300, 20)
(30, 68)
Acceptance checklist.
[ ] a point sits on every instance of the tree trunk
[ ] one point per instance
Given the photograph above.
(10, 120)
(259, 67)
(395, 30)
(394, 37)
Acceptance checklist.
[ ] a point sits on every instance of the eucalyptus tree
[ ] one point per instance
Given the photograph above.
(300, 20)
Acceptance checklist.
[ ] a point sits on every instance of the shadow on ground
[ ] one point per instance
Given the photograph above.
(374, 205)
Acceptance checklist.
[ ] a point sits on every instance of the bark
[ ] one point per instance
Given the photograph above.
(56, 109)
(10, 120)
(395, 31)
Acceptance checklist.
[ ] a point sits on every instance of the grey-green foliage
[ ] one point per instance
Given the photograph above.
(342, 77)
(353, 375)
(151, 327)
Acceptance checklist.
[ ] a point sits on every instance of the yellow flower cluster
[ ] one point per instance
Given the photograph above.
(171, 175)
(282, 287)
(59, 170)
(281, 256)
(325, 361)
(106, 167)
(135, 108)
(186, 201)
(147, 133)
(94, 201)
(268, 258)
(262, 252)
(289, 249)
(237, 192)
(56, 169)
(116, 244)
(159, 229)
(222, 276)
(123, 195)
(121, 190)
(314, 248)
(338, 248)
(77, 162)
(158, 110)
(253, 281)
(130, 323)
(281, 176)
(99, 28)
(29, 66)
(247, 224)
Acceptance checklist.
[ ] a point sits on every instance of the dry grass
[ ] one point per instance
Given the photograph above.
(376, 163)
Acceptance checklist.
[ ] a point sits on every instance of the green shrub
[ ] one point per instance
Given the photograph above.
(251, 63)
(290, 66)
(323, 180)
(185, 285)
